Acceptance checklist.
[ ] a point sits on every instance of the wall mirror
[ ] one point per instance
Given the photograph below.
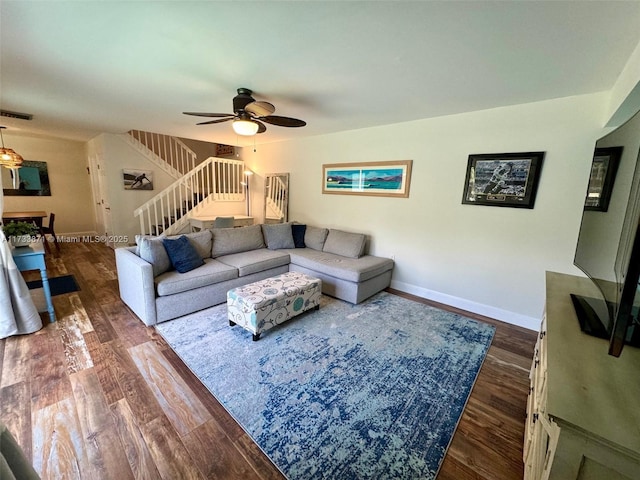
(276, 198)
(31, 179)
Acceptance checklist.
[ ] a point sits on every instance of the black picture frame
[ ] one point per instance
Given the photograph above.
(603, 175)
(503, 179)
(33, 180)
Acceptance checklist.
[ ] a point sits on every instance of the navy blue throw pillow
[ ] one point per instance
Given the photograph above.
(182, 254)
(298, 230)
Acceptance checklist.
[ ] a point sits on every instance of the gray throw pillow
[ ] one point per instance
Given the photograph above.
(278, 235)
(201, 241)
(236, 240)
(152, 250)
(345, 243)
(314, 237)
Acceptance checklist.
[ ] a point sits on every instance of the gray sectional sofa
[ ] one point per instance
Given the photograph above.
(230, 257)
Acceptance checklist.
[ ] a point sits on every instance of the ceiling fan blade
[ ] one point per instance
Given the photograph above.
(283, 121)
(203, 114)
(261, 126)
(260, 109)
(216, 121)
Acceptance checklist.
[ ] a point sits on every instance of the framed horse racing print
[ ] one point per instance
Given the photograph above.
(503, 179)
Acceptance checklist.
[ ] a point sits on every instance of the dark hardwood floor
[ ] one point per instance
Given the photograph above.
(98, 395)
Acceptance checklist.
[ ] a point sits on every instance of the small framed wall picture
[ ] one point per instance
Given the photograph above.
(603, 175)
(137, 179)
(503, 179)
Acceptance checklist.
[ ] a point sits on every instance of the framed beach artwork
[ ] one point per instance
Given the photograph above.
(503, 179)
(137, 179)
(385, 179)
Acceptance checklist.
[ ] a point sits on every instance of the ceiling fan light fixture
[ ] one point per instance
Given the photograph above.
(245, 127)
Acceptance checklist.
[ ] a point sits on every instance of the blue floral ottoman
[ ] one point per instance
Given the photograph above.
(262, 305)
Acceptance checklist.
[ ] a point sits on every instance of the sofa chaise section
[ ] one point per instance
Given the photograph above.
(350, 279)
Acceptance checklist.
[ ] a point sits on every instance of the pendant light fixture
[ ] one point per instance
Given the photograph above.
(8, 157)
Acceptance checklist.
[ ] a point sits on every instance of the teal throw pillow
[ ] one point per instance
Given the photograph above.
(184, 257)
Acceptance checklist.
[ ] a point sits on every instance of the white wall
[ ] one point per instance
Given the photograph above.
(488, 260)
(70, 198)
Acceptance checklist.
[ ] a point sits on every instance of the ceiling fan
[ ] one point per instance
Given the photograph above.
(248, 115)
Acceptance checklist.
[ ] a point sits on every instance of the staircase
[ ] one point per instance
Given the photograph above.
(167, 152)
(276, 200)
(215, 179)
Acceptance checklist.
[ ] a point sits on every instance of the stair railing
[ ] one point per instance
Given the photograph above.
(215, 179)
(170, 150)
(277, 196)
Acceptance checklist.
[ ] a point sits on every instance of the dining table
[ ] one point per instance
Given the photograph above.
(35, 217)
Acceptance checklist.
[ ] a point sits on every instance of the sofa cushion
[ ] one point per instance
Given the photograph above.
(297, 232)
(183, 255)
(314, 237)
(255, 260)
(345, 243)
(201, 241)
(227, 241)
(211, 272)
(152, 250)
(278, 235)
(338, 266)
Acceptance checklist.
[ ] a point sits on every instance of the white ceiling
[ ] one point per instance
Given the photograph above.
(86, 67)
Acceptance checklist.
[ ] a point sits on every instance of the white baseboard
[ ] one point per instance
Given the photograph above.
(506, 316)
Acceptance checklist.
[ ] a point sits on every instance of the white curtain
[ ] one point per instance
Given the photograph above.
(18, 314)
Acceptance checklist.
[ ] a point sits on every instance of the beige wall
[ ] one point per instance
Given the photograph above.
(489, 260)
(70, 198)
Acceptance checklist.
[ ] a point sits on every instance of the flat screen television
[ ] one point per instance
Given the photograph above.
(608, 247)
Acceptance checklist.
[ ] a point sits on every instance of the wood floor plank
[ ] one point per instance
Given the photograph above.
(15, 412)
(222, 462)
(104, 450)
(99, 321)
(105, 271)
(138, 455)
(76, 354)
(56, 266)
(136, 391)
(129, 329)
(110, 386)
(49, 376)
(15, 364)
(81, 317)
(169, 454)
(254, 456)
(58, 446)
(170, 390)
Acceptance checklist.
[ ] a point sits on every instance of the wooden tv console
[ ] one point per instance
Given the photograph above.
(583, 411)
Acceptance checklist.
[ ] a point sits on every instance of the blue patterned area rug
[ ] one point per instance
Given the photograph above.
(369, 391)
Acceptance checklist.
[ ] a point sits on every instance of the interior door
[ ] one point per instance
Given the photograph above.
(100, 199)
